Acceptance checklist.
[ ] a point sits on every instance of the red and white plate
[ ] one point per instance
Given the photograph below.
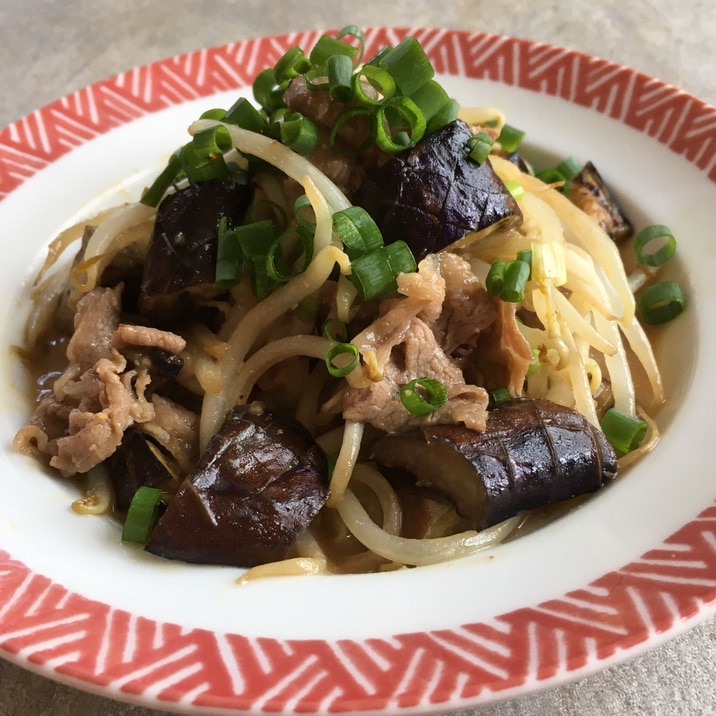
(632, 567)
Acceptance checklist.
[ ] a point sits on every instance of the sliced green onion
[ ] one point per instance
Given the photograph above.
(446, 114)
(277, 267)
(495, 277)
(295, 131)
(515, 279)
(400, 258)
(258, 276)
(372, 275)
(348, 355)
(199, 167)
(229, 257)
(430, 98)
(356, 33)
(510, 138)
(301, 203)
(316, 79)
(624, 432)
(400, 125)
(340, 77)
(379, 79)
(256, 240)
(654, 245)
(536, 362)
(142, 514)
(378, 56)
(479, 147)
(409, 65)
(661, 302)
(166, 178)
(422, 396)
(526, 256)
(498, 395)
(515, 188)
(327, 47)
(267, 92)
(357, 231)
(217, 114)
(212, 142)
(562, 173)
(294, 62)
(335, 330)
(202, 158)
(245, 115)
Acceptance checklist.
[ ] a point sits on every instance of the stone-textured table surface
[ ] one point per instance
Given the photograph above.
(51, 47)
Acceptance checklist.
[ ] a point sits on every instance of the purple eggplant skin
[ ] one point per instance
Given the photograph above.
(588, 191)
(532, 453)
(256, 488)
(433, 194)
(182, 251)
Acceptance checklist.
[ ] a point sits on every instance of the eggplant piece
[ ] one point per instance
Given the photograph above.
(133, 464)
(181, 258)
(433, 194)
(532, 453)
(256, 488)
(588, 191)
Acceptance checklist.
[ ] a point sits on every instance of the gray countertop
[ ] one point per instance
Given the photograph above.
(50, 48)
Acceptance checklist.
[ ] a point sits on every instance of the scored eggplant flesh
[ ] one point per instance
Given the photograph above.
(532, 453)
(256, 488)
(433, 194)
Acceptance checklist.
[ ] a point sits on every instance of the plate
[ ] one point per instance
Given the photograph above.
(629, 569)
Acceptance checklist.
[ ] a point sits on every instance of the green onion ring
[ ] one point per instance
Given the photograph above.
(380, 80)
(357, 231)
(341, 349)
(294, 62)
(407, 110)
(142, 514)
(650, 237)
(355, 32)
(661, 302)
(335, 330)
(422, 396)
(273, 256)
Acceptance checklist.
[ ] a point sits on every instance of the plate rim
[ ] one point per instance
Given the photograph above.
(15, 573)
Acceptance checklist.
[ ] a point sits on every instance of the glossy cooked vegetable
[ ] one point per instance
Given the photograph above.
(432, 195)
(182, 252)
(256, 488)
(532, 453)
(588, 191)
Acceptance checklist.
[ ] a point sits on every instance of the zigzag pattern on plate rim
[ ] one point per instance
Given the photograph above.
(131, 657)
(89, 642)
(683, 123)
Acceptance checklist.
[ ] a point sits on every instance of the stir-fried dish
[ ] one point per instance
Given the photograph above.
(348, 328)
